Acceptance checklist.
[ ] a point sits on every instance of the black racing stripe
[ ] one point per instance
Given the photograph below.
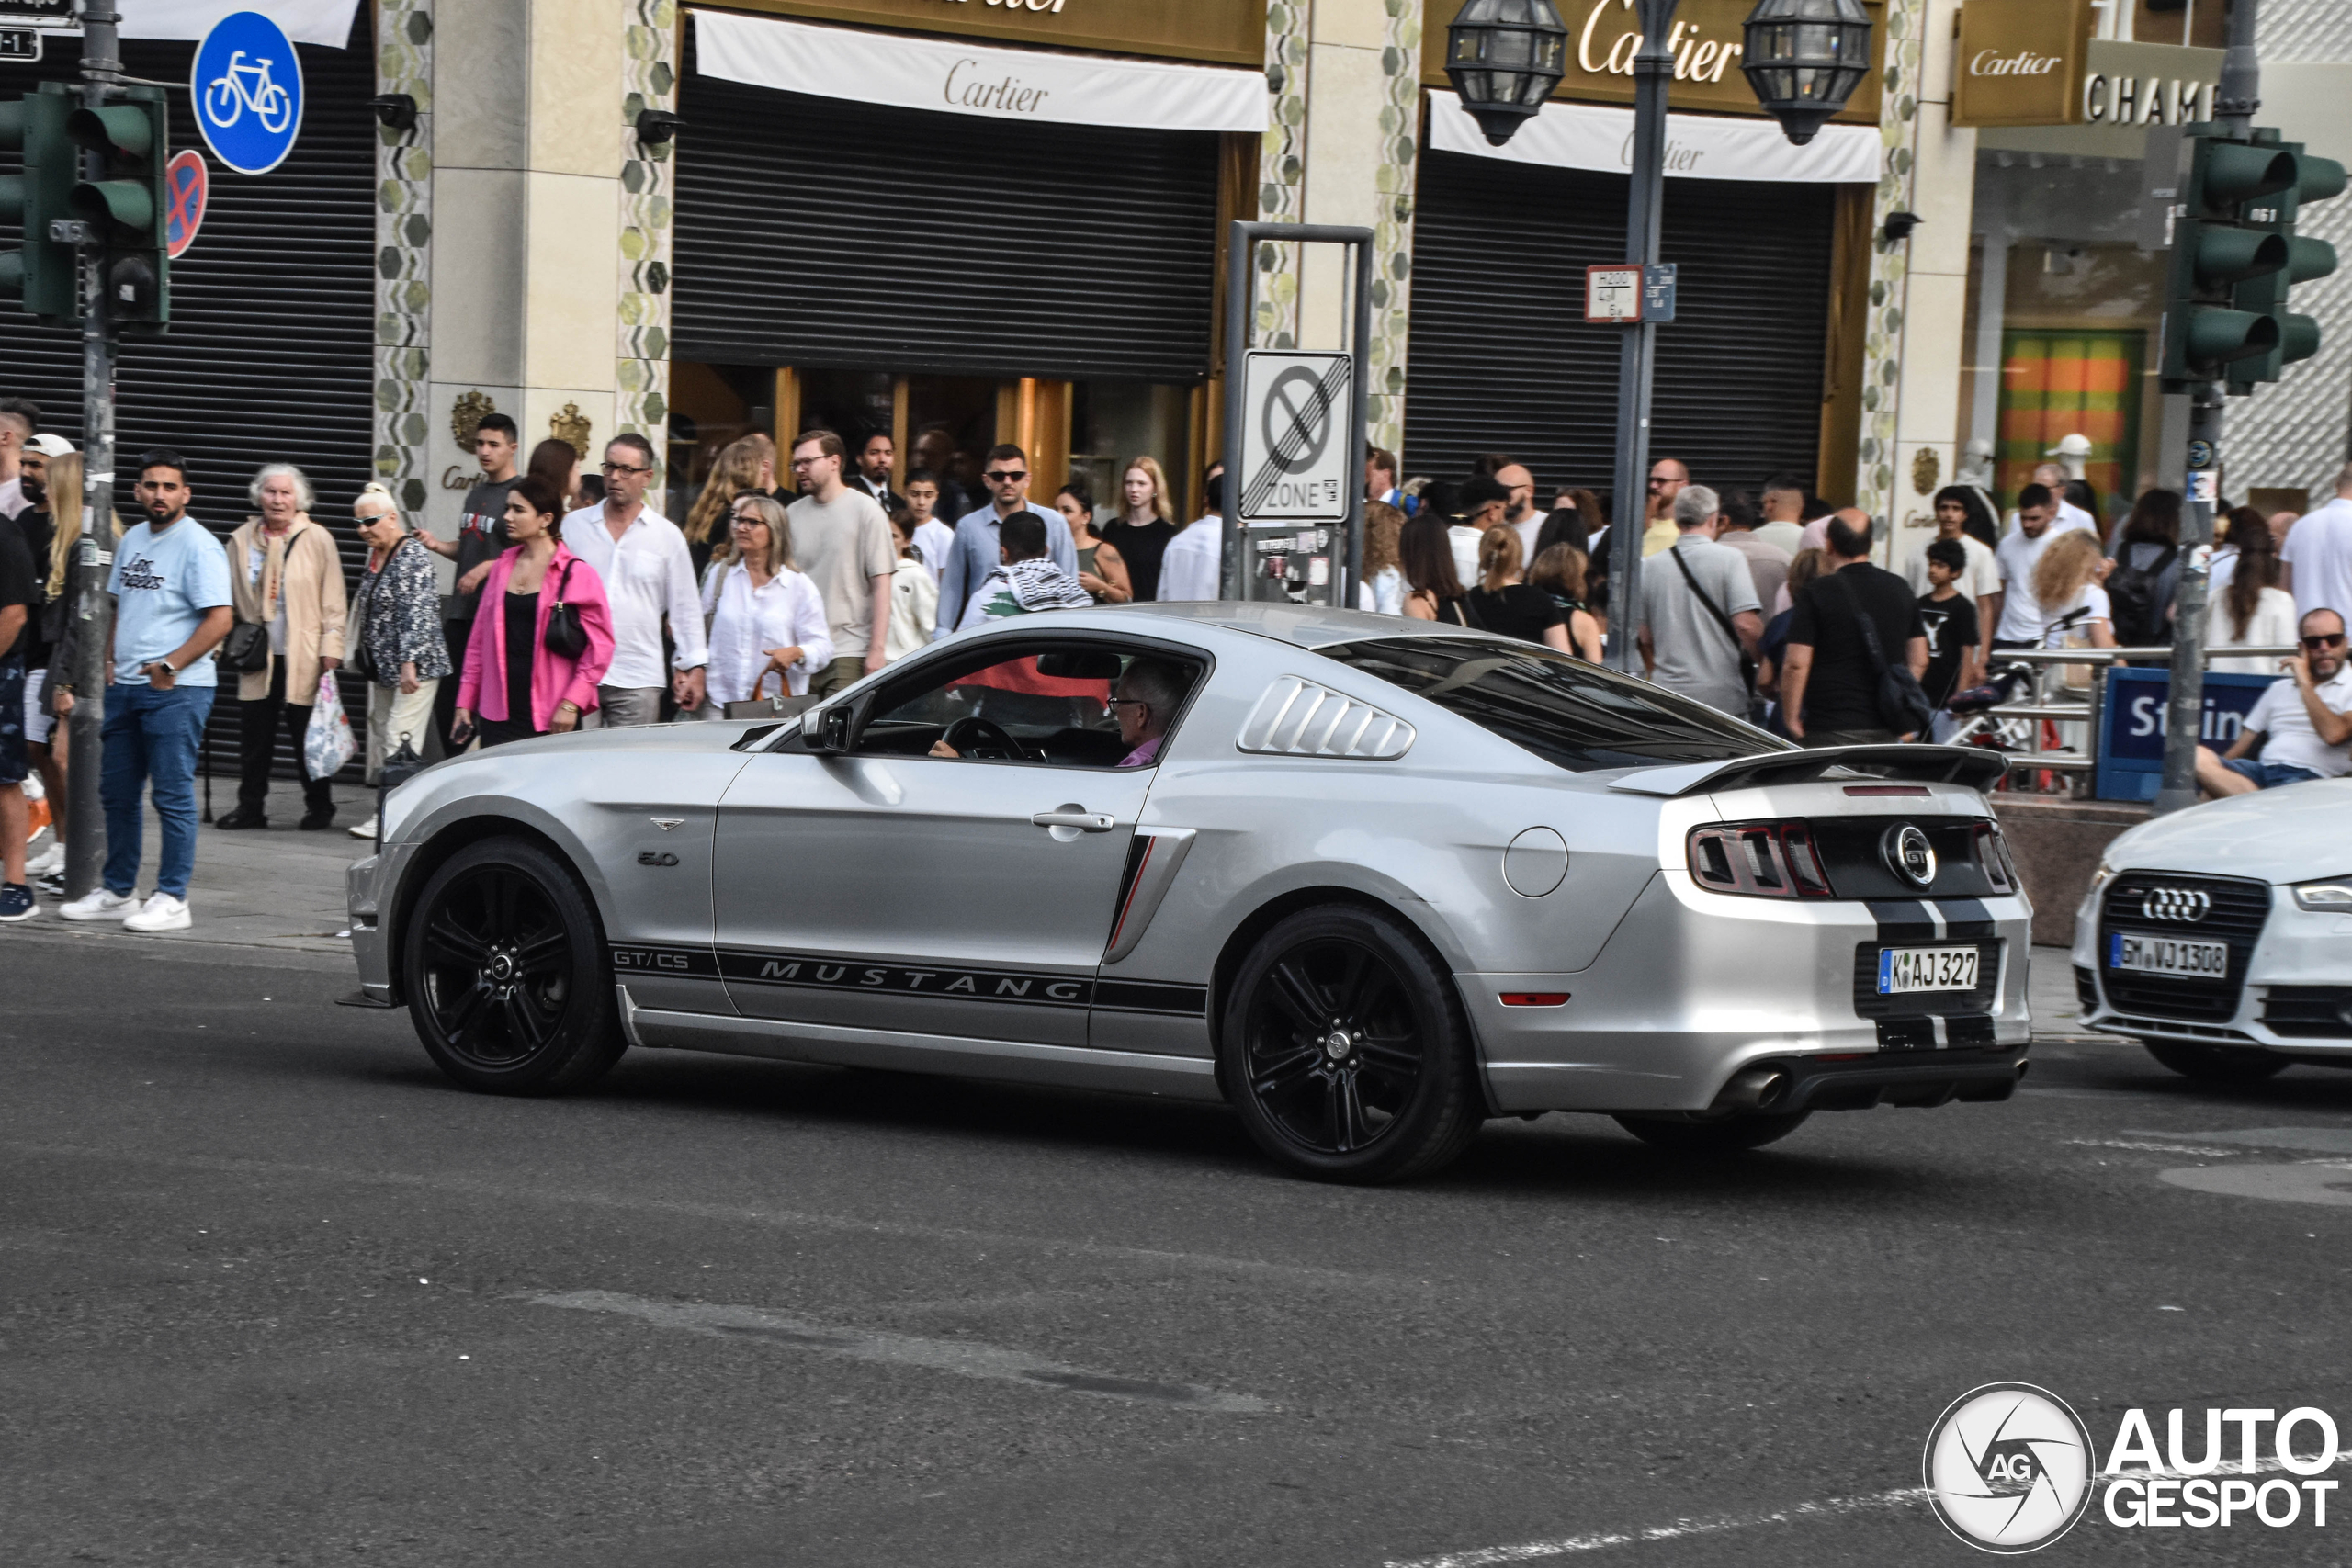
(1967, 919)
(755, 966)
(1902, 920)
(667, 963)
(1152, 995)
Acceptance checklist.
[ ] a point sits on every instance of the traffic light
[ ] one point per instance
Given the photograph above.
(2316, 179)
(43, 272)
(126, 207)
(2235, 255)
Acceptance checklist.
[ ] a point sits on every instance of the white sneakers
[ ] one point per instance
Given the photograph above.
(97, 904)
(365, 829)
(161, 913)
(49, 860)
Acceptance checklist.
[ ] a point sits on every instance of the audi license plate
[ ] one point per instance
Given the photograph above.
(2168, 955)
(1905, 969)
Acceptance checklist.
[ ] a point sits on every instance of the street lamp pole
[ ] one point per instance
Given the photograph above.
(1637, 351)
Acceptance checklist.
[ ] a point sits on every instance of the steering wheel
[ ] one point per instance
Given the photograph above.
(982, 741)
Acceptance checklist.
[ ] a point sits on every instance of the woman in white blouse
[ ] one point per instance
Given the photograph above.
(765, 618)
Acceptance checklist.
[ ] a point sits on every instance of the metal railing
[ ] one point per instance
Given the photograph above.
(2065, 707)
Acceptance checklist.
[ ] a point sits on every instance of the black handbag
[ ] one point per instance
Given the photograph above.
(246, 647)
(566, 637)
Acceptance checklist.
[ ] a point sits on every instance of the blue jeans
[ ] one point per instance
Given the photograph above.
(2269, 775)
(150, 738)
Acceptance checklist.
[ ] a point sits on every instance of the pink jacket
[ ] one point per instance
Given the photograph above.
(482, 690)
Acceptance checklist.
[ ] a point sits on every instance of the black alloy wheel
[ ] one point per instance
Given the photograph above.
(1345, 1049)
(505, 973)
(2216, 1064)
(1729, 1135)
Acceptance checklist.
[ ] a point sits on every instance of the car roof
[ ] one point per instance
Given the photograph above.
(1303, 626)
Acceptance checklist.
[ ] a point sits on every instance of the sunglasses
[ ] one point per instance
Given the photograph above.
(1005, 476)
(2335, 642)
(747, 522)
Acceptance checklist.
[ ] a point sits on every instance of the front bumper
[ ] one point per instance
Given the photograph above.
(1694, 987)
(365, 885)
(2295, 998)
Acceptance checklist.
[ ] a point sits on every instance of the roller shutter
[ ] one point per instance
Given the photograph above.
(270, 354)
(821, 232)
(1501, 358)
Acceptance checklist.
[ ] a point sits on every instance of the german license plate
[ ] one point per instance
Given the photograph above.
(1905, 969)
(2168, 955)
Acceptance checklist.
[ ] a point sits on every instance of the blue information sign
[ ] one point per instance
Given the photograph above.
(2132, 720)
(248, 85)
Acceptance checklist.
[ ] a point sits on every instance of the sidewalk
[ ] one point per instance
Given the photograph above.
(274, 888)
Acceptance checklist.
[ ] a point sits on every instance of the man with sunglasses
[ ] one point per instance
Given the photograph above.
(977, 550)
(2301, 728)
(841, 540)
(641, 558)
(1667, 477)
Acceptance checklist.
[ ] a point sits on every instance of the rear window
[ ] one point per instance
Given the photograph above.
(1573, 715)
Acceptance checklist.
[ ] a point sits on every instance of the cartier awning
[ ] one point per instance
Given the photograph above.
(1698, 147)
(950, 77)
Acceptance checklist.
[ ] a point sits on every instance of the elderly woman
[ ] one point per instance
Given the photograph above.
(767, 619)
(396, 638)
(284, 576)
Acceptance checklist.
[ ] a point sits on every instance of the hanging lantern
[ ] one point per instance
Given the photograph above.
(1504, 58)
(1804, 58)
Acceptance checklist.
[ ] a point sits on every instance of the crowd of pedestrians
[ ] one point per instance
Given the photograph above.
(569, 603)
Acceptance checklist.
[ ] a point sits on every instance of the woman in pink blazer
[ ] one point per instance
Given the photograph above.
(518, 685)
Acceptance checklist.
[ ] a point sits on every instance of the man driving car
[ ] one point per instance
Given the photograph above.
(1145, 701)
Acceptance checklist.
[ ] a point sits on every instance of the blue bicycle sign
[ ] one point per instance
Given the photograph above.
(247, 83)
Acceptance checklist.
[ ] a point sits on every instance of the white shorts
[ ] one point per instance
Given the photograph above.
(39, 726)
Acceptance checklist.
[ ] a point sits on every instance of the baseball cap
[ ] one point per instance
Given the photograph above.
(49, 445)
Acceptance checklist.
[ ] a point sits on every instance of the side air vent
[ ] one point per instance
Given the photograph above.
(1298, 719)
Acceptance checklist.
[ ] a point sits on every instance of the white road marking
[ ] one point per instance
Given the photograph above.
(2153, 1148)
(962, 1357)
(1831, 1508)
(2306, 1139)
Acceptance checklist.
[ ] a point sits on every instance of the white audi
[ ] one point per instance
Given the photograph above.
(2221, 937)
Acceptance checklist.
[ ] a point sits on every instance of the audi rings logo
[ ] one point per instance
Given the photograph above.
(1908, 855)
(2009, 1468)
(2187, 905)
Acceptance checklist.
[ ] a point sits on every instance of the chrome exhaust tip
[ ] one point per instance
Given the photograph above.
(1757, 1089)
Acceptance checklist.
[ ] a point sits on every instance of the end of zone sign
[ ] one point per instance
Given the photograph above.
(1294, 446)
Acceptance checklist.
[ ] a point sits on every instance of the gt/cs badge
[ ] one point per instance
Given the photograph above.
(656, 857)
(1908, 855)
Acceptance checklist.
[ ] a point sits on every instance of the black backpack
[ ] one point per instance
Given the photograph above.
(2135, 599)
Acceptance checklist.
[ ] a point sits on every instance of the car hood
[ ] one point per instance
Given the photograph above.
(2279, 835)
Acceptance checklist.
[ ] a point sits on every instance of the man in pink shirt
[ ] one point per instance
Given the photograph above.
(1147, 697)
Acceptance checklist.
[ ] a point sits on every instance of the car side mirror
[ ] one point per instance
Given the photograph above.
(831, 732)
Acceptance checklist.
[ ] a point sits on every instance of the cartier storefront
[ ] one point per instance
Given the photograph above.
(2065, 300)
(957, 224)
(1759, 372)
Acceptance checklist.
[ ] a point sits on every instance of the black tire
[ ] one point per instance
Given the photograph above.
(1734, 1134)
(2215, 1064)
(1346, 1051)
(505, 973)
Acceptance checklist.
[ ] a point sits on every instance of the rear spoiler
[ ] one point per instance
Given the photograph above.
(1968, 765)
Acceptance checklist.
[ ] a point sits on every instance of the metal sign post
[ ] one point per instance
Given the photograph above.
(1294, 438)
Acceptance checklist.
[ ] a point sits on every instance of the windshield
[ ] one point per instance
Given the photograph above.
(1573, 715)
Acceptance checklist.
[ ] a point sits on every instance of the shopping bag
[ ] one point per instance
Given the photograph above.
(327, 745)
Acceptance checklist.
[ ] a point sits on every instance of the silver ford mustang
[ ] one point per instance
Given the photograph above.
(1370, 881)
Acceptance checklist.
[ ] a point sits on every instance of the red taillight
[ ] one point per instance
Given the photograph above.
(1535, 998)
(1992, 854)
(1764, 859)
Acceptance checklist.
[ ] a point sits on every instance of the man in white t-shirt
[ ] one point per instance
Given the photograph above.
(2021, 552)
(2317, 553)
(2301, 728)
(1979, 580)
(1193, 567)
(1482, 501)
(1519, 514)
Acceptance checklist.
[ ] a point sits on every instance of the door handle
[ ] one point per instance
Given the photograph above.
(1078, 817)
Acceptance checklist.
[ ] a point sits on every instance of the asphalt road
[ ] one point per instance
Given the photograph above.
(273, 1293)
